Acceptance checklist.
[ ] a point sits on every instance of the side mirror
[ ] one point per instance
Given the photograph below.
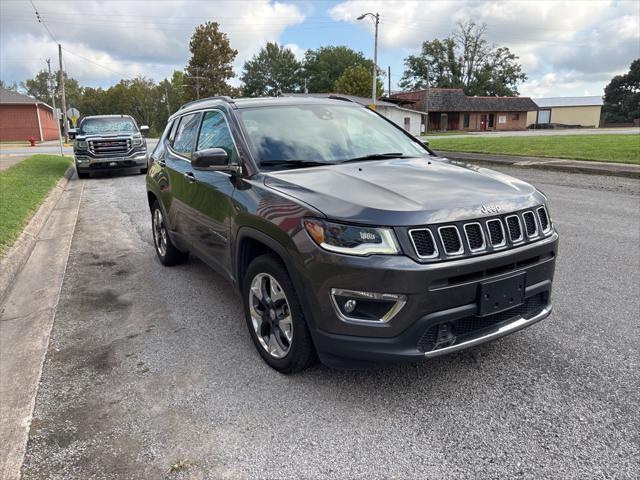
(425, 143)
(144, 130)
(213, 160)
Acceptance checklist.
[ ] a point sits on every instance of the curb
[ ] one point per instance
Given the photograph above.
(557, 164)
(19, 253)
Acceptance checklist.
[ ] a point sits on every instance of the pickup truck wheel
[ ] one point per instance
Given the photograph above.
(167, 253)
(81, 174)
(274, 317)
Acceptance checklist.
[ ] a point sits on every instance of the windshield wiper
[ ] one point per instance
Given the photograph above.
(293, 163)
(377, 156)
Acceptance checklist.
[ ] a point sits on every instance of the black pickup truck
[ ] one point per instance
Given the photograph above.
(110, 142)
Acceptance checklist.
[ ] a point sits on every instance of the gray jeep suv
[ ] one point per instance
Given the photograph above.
(108, 143)
(347, 238)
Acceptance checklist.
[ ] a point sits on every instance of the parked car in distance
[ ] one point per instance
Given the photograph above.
(108, 143)
(347, 238)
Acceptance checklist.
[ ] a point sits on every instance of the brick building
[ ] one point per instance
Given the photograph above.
(451, 109)
(23, 117)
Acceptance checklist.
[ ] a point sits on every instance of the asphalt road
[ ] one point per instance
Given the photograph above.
(149, 365)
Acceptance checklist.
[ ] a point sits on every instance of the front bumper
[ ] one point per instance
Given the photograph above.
(444, 292)
(87, 163)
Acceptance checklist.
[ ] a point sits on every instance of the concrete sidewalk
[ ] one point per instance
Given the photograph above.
(560, 164)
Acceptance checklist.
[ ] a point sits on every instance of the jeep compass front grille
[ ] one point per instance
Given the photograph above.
(476, 237)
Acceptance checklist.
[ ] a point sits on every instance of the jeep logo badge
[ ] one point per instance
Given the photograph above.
(490, 209)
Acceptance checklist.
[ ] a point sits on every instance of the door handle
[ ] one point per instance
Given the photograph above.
(160, 162)
(189, 177)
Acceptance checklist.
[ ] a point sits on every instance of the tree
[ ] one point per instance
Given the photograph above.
(211, 59)
(38, 87)
(9, 86)
(356, 80)
(464, 60)
(622, 96)
(273, 70)
(325, 65)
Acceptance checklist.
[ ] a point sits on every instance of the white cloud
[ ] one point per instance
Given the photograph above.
(297, 50)
(133, 37)
(563, 39)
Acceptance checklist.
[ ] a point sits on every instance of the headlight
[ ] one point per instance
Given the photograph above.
(137, 142)
(81, 144)
(350, 239)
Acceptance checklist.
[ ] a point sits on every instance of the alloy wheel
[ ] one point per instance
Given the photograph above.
(159, 232)
(270, 315)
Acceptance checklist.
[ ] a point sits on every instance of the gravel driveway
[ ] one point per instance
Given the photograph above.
(150, 366)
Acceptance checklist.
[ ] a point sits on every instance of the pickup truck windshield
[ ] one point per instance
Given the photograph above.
(92, 126)
(283, 136)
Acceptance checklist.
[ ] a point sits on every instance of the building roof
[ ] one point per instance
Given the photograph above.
(15, 98)
(455, 100)
(589, 101)
(361, 100)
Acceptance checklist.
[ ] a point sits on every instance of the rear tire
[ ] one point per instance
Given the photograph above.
(274, 316)
(168, 254)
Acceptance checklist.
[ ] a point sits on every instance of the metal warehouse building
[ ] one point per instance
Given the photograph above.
(23, 117)
(567, 111)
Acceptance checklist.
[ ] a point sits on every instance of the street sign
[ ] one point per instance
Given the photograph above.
(73, 114)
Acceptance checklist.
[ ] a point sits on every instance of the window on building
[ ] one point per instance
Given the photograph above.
(515, 116)
(465, 120)
(186, 134)
(407, 124)
(502, 119)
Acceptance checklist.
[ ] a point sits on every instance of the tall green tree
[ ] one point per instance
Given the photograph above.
(465, 60)
(325, 65)
(622, 96)
(273, 70)
(356, 80)
(38, 87)
(211, 59)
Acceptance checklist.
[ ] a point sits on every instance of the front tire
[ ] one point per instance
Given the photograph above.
(274, 316)
(81, 174)
(168, 254)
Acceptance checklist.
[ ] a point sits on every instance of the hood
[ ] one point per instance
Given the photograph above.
(109, 135)
(404, 192)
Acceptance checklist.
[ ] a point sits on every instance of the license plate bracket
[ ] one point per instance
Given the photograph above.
(502, 294)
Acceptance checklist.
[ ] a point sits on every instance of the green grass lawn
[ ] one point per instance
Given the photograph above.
(23, 188)
(600, 148)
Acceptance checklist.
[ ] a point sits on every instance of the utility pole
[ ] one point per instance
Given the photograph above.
(426, 104)
(374, 75)
(52, 92)
(166, 94)
(64, 98)
(389, 80)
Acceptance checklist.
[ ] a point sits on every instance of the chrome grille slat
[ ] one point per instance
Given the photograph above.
(543, 216)
(475, 237)
(530, 224)
(110, 146)
(496, 233)
(423, 242)
(514, 227)
(451, 240)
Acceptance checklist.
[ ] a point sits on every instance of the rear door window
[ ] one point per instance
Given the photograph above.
(185, 136)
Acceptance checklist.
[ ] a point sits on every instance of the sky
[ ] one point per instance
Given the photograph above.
(567, 48)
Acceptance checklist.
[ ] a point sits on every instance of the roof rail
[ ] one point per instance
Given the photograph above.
(340, 97)
(218, 97)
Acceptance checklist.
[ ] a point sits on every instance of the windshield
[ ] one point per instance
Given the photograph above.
(90, 126)
(290, 136)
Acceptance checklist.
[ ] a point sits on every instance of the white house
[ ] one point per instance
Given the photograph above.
(410, 120)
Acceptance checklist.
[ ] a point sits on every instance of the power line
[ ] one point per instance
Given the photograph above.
(41, 20)
(94, 62)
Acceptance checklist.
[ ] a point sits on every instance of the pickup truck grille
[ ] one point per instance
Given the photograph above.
(111, 146)
(486, 235)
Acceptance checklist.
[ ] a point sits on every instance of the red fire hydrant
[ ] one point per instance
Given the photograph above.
(32, 141)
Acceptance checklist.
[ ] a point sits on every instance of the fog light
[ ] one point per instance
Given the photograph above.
(349, 306)
(366, 307)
